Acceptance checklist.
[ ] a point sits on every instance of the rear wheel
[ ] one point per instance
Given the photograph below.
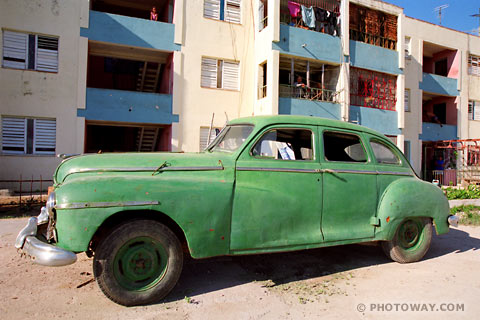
(411, 240)
(139, 262)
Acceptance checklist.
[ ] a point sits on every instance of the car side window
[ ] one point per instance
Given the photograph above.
(339, 146)
(384, 154)
(285, 144)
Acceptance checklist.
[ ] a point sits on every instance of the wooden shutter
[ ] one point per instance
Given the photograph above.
(204, 136)
(211, 9)
(230, 75)
(209, 73)
(14, 135)
(47, 54)
(233, 10)
(44, 136)
(15, 46)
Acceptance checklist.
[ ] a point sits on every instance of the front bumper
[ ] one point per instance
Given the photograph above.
(41, 252)
(453, 221)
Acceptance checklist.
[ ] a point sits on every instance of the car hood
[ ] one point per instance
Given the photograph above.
(138, 162)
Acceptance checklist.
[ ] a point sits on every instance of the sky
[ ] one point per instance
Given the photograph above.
(456, 16)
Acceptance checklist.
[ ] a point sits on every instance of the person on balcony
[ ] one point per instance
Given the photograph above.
(154, 14)
(299, 87)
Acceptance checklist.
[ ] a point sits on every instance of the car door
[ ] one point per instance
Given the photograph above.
(349, 186)
(278, 191)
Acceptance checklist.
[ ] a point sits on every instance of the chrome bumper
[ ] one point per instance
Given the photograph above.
(40, 252)
(453, 221)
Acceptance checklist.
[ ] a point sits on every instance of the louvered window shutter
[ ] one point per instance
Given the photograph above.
(204, 136)
(44, 136)
(209, 73)
(230, 75)
(232, 11)
(15, 46)
(47, 54)
(211, 9)
(14, 135)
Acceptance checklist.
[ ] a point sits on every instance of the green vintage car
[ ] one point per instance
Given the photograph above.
(265, 184)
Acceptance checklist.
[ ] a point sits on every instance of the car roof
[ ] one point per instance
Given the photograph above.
(263, 121)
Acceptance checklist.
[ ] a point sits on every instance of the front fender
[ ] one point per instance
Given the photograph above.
(411, 197)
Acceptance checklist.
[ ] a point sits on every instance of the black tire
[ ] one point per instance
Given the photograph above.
(138, 262)
(411, 240)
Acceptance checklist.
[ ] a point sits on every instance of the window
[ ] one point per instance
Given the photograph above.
(262, 80)
(226, 10)
(474, 65)
(231, 138)
(204, 140)
(441, 67)
(219, 74)
(384, 154)
(473, 110)
(406, 148)
(343, 147)
(262, 14)
(285, 144)
(408, 47)
(30, 51)
(28, 136)
(407, 100)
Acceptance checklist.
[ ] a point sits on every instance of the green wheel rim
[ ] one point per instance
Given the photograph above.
(140, 264)
(410, 234)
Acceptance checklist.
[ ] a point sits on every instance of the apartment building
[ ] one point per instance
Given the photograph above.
(101, 76)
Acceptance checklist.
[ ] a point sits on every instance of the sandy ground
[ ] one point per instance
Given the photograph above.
(347, 282)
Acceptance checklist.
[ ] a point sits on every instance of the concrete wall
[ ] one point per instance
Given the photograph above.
(216, 39)
(28, 93)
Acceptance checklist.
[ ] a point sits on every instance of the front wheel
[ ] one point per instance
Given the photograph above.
(411, 240)
(138, 263)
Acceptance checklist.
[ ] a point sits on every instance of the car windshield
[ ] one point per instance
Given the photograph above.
(231, 138)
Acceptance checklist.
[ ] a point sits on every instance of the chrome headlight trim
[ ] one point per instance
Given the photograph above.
(50, 205)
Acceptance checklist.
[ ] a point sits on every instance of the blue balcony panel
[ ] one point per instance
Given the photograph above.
(319, 46)
(384, 121)
(309, 108)
(438, 84)
(367, 56)
(128, 106)
(135, 32)
(435, 132)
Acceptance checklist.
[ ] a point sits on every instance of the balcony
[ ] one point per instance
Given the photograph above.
(433, 83)
(436, 132)
(308, 44)
(130, 31)
(128, 106)
(384, 121)
(372, 57)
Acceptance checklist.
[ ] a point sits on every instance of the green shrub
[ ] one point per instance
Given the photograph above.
(471, 192)
(468, 214)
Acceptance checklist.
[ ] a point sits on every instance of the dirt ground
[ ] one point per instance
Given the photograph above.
(347, 282)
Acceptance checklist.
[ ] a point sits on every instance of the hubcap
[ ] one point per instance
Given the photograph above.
(409, 235)
(140, 264)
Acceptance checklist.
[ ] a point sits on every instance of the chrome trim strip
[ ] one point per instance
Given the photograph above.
(277, 169)
(191, 169)
(355, 171)
(395, 173)
(82, 205)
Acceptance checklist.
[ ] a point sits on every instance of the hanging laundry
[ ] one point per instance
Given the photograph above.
(308, 17)
(294, 9)
(320, 18)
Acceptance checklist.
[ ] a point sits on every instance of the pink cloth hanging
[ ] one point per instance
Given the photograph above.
(294, 8)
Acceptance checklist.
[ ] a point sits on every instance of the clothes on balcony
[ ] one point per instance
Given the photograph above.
(308, 17)
(294, 9)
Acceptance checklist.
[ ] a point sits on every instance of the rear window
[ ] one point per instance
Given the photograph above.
(344, 147)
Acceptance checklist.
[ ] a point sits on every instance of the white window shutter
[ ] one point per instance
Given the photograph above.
(209, 73)
(204, 141)
(211, 9)
(14, 135)
(45, 133)
(476, 110)
(15, 46)
(47, 54)
(233, 11)
(230, 75)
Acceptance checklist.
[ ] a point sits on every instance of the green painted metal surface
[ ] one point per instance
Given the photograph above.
(236, 203)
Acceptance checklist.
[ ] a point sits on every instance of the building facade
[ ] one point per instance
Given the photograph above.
(102, 76)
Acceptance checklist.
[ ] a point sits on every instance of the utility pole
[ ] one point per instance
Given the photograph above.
(439, 10)
(477, 16)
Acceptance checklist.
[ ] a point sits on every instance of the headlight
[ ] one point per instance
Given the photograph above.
(51, 202)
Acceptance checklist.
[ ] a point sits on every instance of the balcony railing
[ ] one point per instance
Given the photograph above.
(373, 39)
(308, 93)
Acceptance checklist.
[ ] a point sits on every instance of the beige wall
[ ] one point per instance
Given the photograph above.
(216, 39)
(40, 94)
